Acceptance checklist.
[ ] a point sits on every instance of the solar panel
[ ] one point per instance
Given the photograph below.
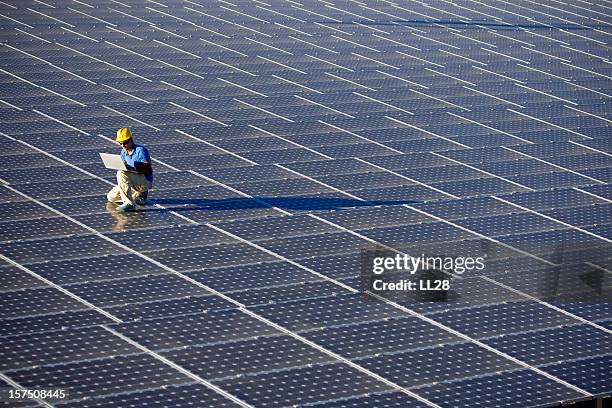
(293, 142)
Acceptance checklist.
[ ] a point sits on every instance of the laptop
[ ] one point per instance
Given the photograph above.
(114, 162)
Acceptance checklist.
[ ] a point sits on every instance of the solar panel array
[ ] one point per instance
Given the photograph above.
(287, 136)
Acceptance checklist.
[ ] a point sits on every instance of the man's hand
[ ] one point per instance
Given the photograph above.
(127, 166)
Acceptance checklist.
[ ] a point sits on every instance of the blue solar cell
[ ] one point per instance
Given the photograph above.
(467, 208)
(248, 173)
(391, 335)
(404, 194)
(137, 310)
(547, 135)
(562, 198)
(573, 342)
(176, 396)
(182, 236)
(178, 149)
(423, 145)
(311, 245)
(442, 173)
(212, 256)
(282, 156)
(253, 144)
(483, 186)
(27, 161)
(136, 290)
(599, 144)
(436, 364)
(591, 308)
(64, 189)
(236, 359)
(487, 154)
(288, 293)
(205, 162)
(200, 196)
(252, 276)
(364, 180)
(503, 319)
(282, 188)
(303, 385)
(327, 312)
(195, 329)
(419, 233)
(175, 179)
(334, 266)
(602, 174)
(23, 210)
(392, 134)
(93, 269)
(327, 167)
(324, 139)
(52, 173)
(409, 161)
(547, 181)
(62, 320)
(355, 150)
(36, 302)
(509, 224)
(583, 216)
(601, 230)
(382, 216)
(387, 400)
(13, 278)
(523, 387)
(62, 346)
(32, 127)
(228, 210)
(85, 155)
(110, 220)
(603, 190)
(55, 249)
(488, 140)
(582, 161)
(277, 227)
(589, 374)
(119, 375)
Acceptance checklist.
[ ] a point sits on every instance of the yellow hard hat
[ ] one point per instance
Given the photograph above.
(123, 134)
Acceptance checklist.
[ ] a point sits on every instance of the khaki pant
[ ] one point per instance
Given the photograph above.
(128, 186)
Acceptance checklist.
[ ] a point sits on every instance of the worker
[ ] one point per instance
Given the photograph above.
(132, 186)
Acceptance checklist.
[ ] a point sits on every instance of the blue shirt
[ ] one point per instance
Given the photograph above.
(139, 154)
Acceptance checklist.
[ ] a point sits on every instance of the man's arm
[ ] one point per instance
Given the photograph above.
(144, 167)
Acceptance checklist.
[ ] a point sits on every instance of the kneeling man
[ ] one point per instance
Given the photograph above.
(132, 186)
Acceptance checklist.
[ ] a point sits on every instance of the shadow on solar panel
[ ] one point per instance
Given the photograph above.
(296, 203)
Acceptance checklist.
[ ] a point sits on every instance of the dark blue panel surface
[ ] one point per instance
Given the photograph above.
(569, 343)
(304, 385)
(287, 137)
(590, 374)
(523, 387)
(175, 396)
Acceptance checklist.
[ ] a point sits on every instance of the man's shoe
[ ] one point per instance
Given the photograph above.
(142, 198)
(126, 208)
